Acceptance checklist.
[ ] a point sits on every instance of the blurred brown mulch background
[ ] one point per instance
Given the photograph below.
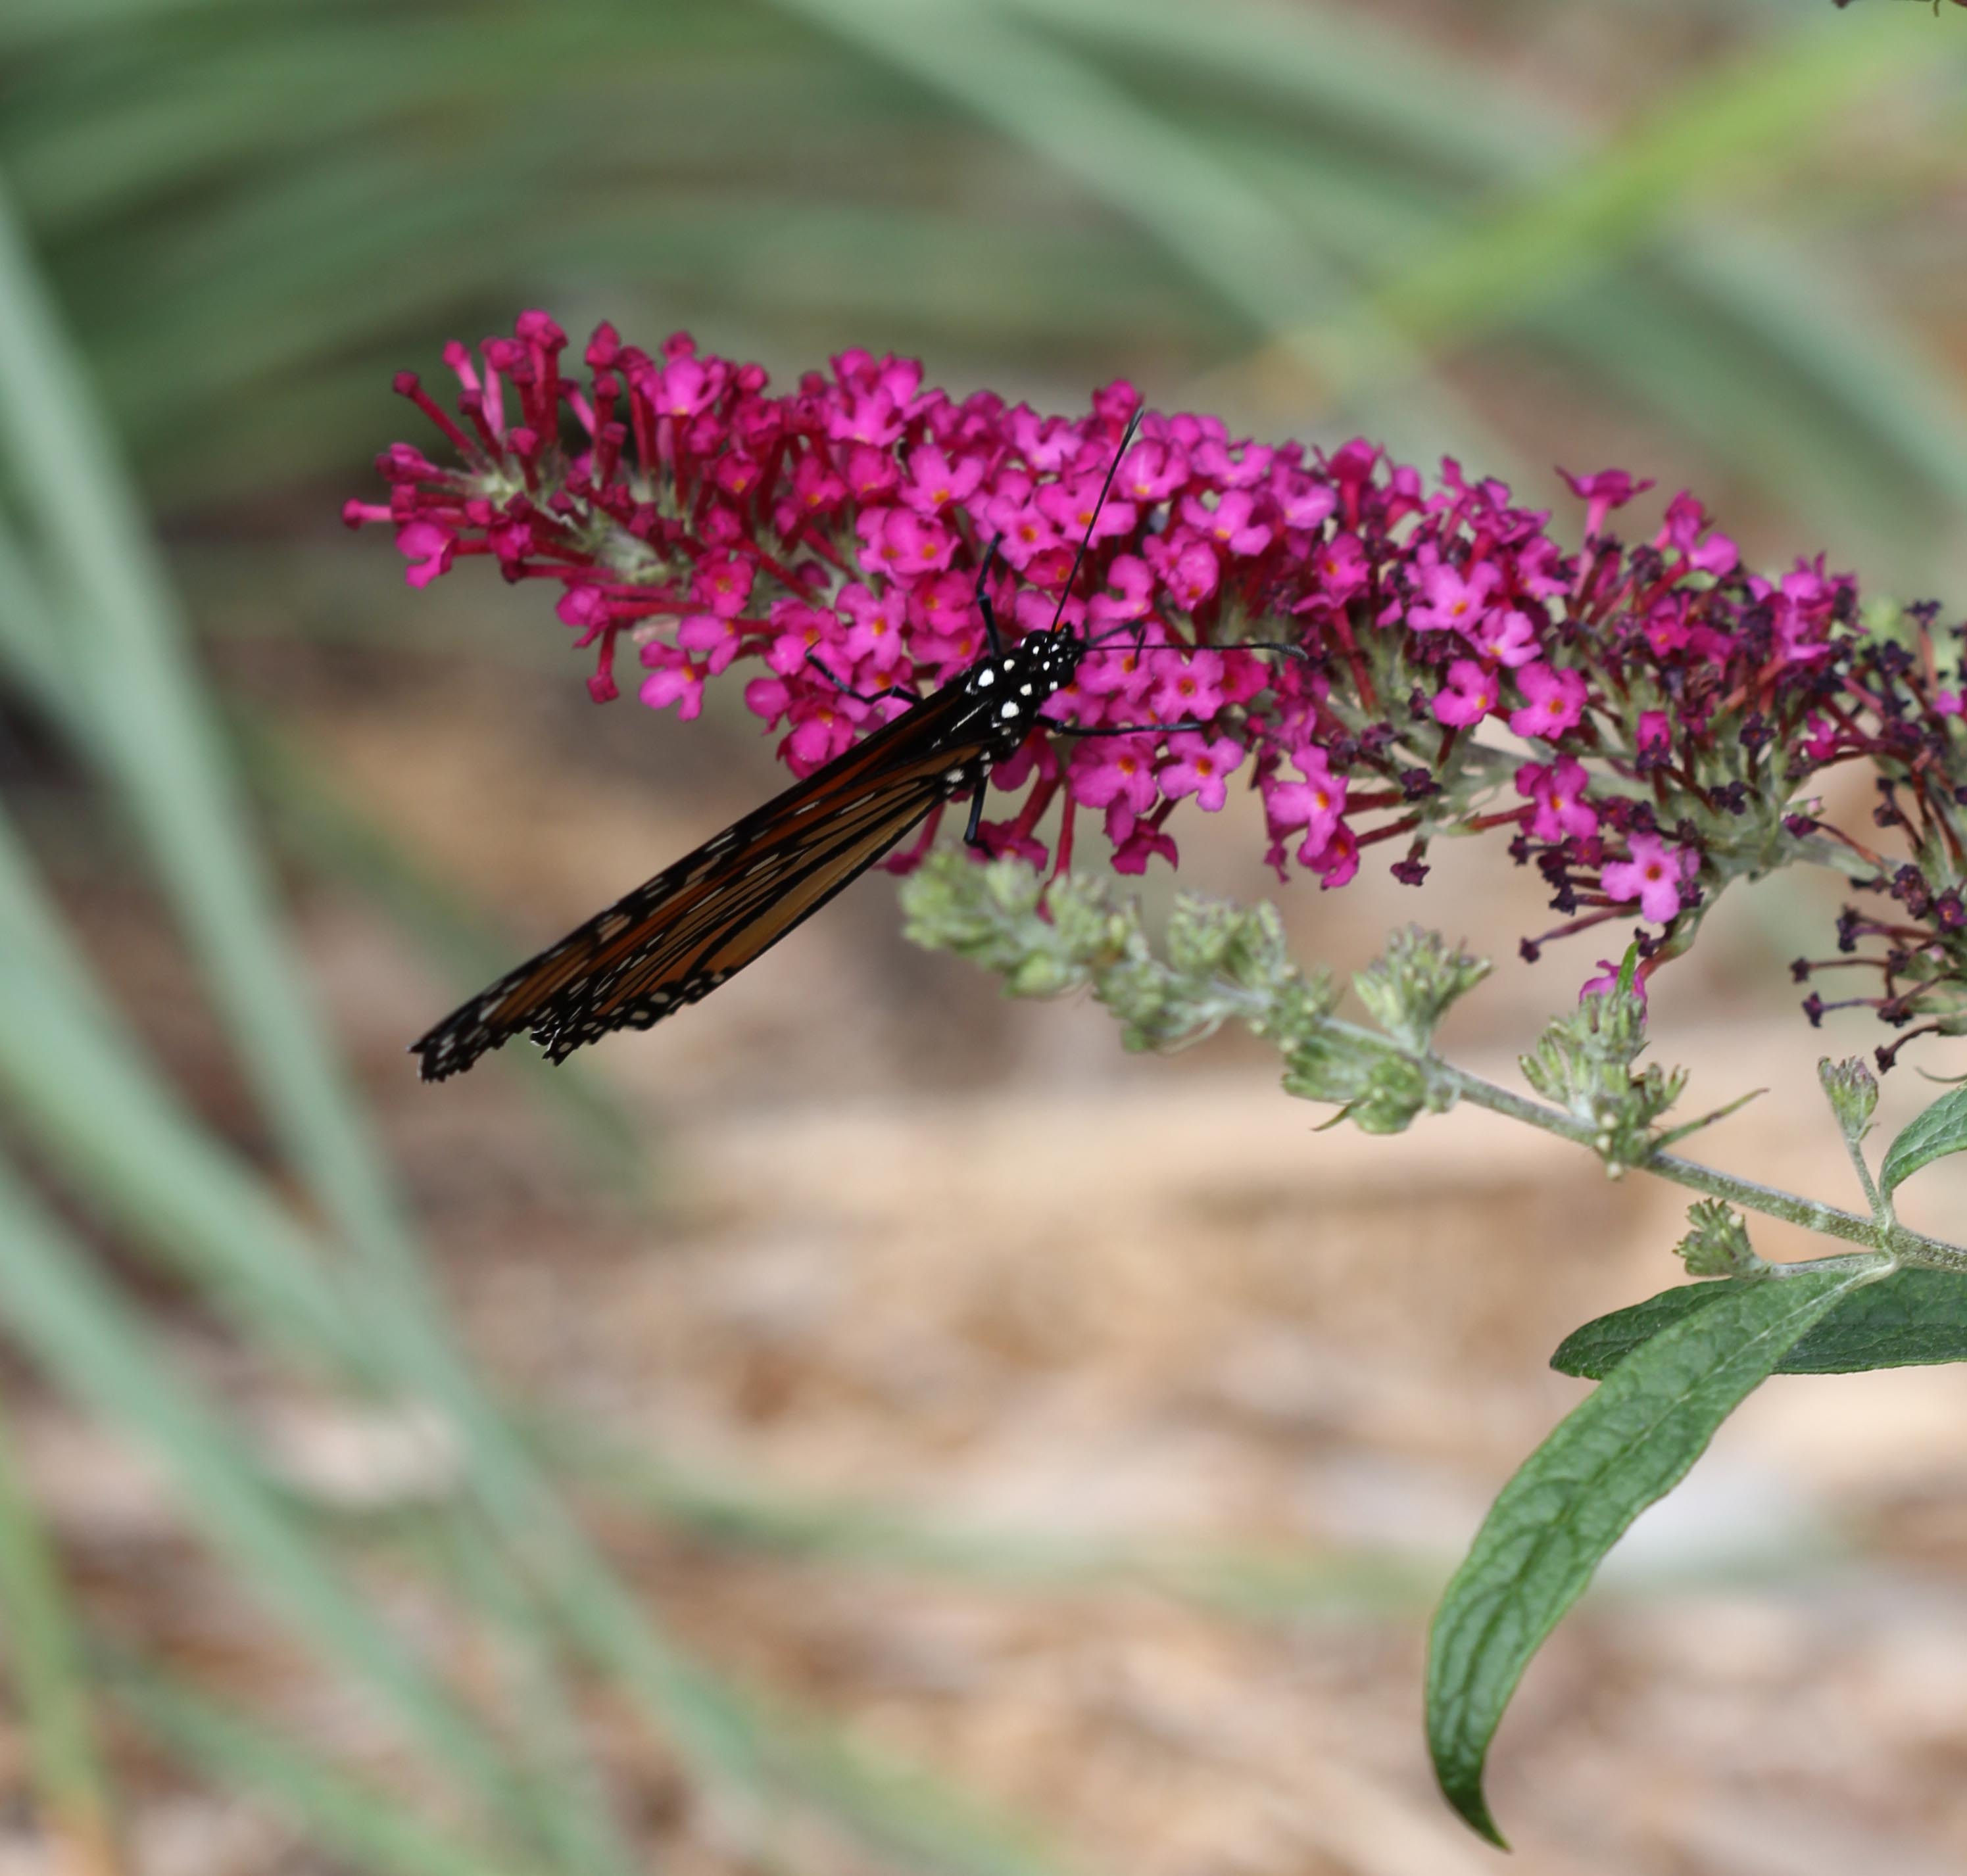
(1080, 1425)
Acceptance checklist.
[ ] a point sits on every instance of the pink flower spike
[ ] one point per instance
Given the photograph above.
(820, 733)
(428, 547)
(901, 544)
(1303, 502)
(1559, 792)
(1200, 768)
(680, 684)
(1122, 673)
(724, 584)
(1316, 804)
(1555, 702)
(1120, 770)
(935, 482)
(1505, 638)
(1652, 875)
(1604, 986)
(1948, 703)
(767, 697)
(1455, 601)
(1610, 488)
(1188, 686)
(1228, 523)
(1188, 571)
(1132, 855)
(1129, 578)
(1470, 693)
(876, 632)
(720, 638)
(1075, 509)
(1687, 522)
(1339, 861)
(1152, 471)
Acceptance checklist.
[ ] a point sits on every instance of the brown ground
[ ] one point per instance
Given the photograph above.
(965, 1259)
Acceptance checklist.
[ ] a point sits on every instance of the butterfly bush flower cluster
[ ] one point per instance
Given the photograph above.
(1641, 722)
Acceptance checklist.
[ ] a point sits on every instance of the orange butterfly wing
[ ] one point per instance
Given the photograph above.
(676, 938)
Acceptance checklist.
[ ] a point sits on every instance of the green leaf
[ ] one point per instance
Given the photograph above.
(1912, 1319)
(46, 1681)
(1631, 1443)
(1942, 1129)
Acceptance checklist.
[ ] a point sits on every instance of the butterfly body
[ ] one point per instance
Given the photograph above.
(678, 936)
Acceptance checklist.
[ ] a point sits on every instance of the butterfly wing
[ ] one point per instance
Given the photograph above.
(676, 938)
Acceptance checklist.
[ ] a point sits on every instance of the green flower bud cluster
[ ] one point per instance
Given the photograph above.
(1224, 961)
(1584, 1063)
(1717, 1243)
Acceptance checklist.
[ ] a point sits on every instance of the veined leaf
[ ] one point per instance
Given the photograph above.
(1942, 1129)
(1914, 1318)
(1630, 1444)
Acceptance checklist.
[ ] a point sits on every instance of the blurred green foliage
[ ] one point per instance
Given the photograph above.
(224, 223)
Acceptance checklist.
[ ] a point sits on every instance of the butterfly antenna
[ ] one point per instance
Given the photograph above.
(1105, 488)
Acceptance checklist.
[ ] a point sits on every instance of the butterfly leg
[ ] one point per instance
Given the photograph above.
(984, 599)
(972, 835)
(860, 696)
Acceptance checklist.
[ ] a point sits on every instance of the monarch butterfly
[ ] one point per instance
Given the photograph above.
(676, 938)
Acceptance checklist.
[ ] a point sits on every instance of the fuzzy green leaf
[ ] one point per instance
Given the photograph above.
(1942, 1129)
(1912, 1319)
(1631, 1443)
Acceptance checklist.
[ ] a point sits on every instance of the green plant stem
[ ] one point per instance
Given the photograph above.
(1882, 1209)
(1907, 1245)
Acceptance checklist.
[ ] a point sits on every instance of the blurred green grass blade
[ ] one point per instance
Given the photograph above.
(206, 432)
(43, 1667)
(360, 1827)
(125, 1144)
(175, 771)
(1254, 1583)
(27, 24)
(1846, 346)
(1400, 102)
(1774, 417)
(160, 731)
(1822, 365)
(29, 653)
(927, 1824)
(1238, 244)
(1732, 123)
(182, 108)
(75, 1328)
(569, 1797)
(178, 783)
(338, 839)
(124, 1139)
(300, 264)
